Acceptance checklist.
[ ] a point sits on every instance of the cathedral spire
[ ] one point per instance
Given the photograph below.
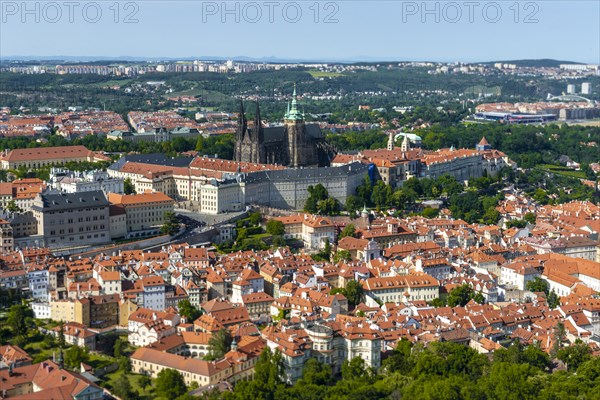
(293, 113)
(257, 115)
(241, 131)
(257, 122)
(390, 144)
(241, 113)
(405, 144)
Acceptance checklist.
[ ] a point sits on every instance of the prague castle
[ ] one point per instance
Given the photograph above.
(294, 144)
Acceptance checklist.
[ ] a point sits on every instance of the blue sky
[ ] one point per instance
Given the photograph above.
(370, 30)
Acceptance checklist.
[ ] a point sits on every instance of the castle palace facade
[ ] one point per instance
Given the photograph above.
(294, 144)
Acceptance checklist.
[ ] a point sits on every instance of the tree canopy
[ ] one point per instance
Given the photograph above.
(170, 384)
(461, 295)
(440, 370)
(219, 344)
(275, 227)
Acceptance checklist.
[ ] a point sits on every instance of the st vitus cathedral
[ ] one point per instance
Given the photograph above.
(294, 144)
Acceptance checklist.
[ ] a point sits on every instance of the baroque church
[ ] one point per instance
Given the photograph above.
(294, 144)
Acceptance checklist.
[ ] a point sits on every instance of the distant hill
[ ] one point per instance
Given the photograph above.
(545, 62)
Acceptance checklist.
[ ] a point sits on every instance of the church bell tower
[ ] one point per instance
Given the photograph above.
(294, 123)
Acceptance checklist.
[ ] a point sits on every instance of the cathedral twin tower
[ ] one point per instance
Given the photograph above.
(295, 144)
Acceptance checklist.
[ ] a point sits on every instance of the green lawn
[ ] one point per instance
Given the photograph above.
(207, 95)
(560, 170)
(495, 90)
(108, 381)
(98, 360)
(35, 351)
(259, 236)
(115, 82)
(324, 74)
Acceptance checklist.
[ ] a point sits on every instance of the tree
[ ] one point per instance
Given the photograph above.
(491, 216)
(466, 206)
(310, 206)
(144, 381)
(535, 356)
(541, 196)
(327, 249)
(538, 284)
(437, 302)
(329, 206)
(278, 241)
(12, 207)
(516, 223)
(353, 203)
(124, 364)
(354, 292)
(553, 299)
(242, 234)
(400, 359)
(255, 218)
(316, 194)
(187, 310)
(364, 191)
(61, 334)
(119, 347)
(449, 185)
(268, 377)
(171, 225)
(128, 186)
(342, 255)
(219, 344)
(575, 355)
(275, 227)
(530, 218)
(403, 197)
(559, 334)
(75, 355)
(122, 387)
(430, 212)
(509, 381)
(460, 295)
(48, 342)
(170, 384)
(19, 319)
(251, 244)
(381, 195)
(349, 230)
(478, 298)
(354, 369)
(315, 373)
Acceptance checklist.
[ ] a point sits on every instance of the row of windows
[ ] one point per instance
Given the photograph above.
(81, 237)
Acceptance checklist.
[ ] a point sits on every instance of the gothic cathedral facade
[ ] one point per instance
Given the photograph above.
(295, 144)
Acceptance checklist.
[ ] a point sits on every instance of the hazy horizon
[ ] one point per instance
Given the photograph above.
(340, 31)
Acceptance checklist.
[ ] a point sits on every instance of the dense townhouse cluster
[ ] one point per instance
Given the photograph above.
(144, 121)
(80, 124)
(47, 380)
(70, 125)
(562, 110)
(296, 303)
(25, 126)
